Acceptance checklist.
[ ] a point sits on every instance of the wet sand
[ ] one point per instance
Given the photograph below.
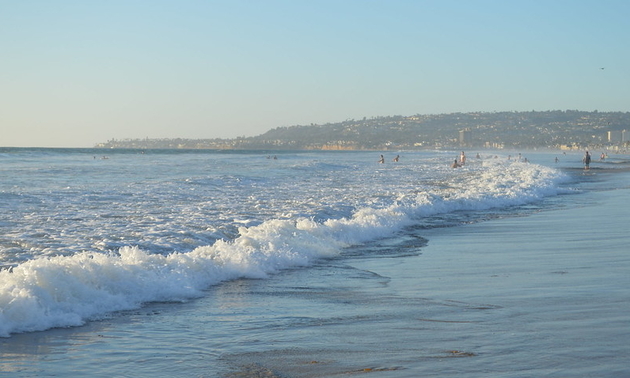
(543, 295)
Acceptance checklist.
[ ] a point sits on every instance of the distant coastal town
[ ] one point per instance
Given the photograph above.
(565, 130)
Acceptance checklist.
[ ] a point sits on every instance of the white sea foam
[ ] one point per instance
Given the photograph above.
(70, 289)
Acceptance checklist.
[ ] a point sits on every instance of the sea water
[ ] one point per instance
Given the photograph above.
(88, 236)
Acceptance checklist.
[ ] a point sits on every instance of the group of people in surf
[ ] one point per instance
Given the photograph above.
(462, 159)
(587, 159)
(461, 162)
(382, 159)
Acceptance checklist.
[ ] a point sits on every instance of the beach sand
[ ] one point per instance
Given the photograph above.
(543, 295)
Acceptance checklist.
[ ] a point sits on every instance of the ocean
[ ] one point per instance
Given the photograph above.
(180, 263)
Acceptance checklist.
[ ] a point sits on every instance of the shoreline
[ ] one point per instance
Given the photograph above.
(552, 284)
(544, 294)
(540, 295)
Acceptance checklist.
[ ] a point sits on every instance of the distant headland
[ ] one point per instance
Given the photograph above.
(560, 129)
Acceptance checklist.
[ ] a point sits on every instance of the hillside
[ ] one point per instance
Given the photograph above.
(492, 130)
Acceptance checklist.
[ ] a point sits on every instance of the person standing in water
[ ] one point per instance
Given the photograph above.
(462, 158)
(587, 160)
(382, 159)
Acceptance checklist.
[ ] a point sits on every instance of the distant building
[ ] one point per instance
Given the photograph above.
(616, 136)
(464, 137)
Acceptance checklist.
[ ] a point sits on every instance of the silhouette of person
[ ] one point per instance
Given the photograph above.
(587, 160)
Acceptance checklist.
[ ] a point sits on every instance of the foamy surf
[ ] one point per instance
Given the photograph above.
(64, 291)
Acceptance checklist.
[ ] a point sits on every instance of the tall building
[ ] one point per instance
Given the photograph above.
(615, 136)
(464, 137)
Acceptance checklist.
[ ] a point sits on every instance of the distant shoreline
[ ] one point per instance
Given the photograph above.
(567, 130)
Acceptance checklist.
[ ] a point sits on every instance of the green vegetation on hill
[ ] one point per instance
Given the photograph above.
(555, 129)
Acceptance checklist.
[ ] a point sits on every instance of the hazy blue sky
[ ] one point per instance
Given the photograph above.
(75, 73)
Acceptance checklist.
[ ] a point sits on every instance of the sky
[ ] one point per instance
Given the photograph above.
(77, 73)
